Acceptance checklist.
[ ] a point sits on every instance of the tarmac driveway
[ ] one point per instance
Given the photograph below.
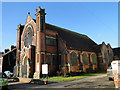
(100, 81)
(93, 82)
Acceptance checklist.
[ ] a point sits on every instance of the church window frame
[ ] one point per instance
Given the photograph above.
(94, 59)
(105, 56)
(51, 41)
(73, 59)
(85, 58)
(28, 38)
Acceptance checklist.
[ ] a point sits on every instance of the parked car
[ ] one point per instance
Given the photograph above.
(3, 80)
(8, 73)
(109, 73)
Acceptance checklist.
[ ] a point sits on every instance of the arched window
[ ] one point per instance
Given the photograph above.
(110, 55)
(73, 59)
(94, 59)
(85, 59)
(105, 57)
(28, 36)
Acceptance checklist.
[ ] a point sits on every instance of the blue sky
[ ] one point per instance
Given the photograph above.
(97, 20)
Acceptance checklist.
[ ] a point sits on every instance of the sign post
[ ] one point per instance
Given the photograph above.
(45, 72)
(116, 72)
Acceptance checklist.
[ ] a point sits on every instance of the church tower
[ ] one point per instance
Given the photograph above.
(40, 41)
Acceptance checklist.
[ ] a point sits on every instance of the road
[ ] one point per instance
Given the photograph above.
(100, 81)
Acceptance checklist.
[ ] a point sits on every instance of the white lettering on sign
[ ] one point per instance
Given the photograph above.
(44, 68)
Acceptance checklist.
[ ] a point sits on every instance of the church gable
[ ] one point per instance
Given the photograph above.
(29, 20)
(29, 32)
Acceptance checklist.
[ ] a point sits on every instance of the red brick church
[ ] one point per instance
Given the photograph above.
(63, 50)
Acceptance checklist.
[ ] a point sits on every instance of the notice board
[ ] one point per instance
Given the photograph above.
(44, 68)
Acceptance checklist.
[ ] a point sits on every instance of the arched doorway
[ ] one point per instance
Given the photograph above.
(25, 67)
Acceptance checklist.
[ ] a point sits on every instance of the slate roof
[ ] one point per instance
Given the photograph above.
(74, 40)
(34, 20)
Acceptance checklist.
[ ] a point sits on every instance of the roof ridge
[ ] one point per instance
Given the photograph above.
(68, 30)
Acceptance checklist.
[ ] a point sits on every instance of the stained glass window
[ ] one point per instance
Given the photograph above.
(28, 36)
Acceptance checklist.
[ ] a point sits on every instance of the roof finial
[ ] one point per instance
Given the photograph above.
(39, 7)
(29, 13)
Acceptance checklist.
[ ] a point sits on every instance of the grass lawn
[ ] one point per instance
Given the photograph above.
(60, 78)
